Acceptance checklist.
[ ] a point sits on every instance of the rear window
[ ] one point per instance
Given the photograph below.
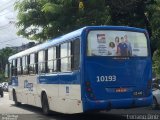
(116, 43)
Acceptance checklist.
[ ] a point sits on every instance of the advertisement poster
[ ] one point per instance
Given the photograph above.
(101, 46)
(117, 43)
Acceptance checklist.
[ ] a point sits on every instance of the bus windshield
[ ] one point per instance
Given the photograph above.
(116, 43)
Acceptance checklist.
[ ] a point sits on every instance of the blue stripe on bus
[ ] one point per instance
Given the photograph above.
(60, 78)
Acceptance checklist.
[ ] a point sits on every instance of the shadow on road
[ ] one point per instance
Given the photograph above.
(91, 116)
(30, 108)
(58, 116)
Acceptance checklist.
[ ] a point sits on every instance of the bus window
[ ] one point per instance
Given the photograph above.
(36, 63)
(14, 67)
(41, 62)
(19, 66)
(24, 65)
(65, 56)
(46, 61)
(58, 62)
(28, 62)
(50, 58)
(52, 62)
(76, 54)
(32, 64)
(7, 71)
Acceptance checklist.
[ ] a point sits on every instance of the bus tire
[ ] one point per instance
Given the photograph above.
(45, 105)
(15, 99)
(155, 104)
(2, 95)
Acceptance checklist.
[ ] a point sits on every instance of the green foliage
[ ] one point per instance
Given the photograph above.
(154, 18)
(52, 8)
(156, 63)
(4, 54)
(45, 19)
(153, 11)
(2, 77)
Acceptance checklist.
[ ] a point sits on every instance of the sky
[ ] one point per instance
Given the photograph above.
(8, 37)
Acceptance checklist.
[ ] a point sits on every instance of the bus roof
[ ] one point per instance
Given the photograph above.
(68, 36)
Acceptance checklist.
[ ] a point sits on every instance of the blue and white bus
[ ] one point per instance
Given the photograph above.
(93, 68)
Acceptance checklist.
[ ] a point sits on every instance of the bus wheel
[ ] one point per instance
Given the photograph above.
(154, 104)
(45, 105)
(15, 98)
(2, 95)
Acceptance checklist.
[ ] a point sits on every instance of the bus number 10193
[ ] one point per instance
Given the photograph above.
(109, 78)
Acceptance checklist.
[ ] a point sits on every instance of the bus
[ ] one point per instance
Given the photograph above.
(90, 69)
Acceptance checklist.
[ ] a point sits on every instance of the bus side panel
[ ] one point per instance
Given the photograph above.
(63, 91)
(70, 92)
(26, 90)
(69, 102)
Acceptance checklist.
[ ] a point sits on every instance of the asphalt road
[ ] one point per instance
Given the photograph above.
(8, 111)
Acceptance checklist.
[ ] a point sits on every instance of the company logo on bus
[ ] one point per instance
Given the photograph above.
(28, 85)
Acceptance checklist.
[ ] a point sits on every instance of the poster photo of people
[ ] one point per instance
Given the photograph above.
(117, 43)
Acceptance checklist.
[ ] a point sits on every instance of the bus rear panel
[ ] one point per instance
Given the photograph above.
(117, 69)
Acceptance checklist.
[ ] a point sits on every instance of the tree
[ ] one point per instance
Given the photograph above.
(4, 54)
(156, 63)
(45, 19)
(130, 13)
(154, 18)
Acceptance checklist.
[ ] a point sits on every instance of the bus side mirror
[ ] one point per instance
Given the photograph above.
(7, 71)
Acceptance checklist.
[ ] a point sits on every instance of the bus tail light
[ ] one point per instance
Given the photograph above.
(120, 90)
(89, 90)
